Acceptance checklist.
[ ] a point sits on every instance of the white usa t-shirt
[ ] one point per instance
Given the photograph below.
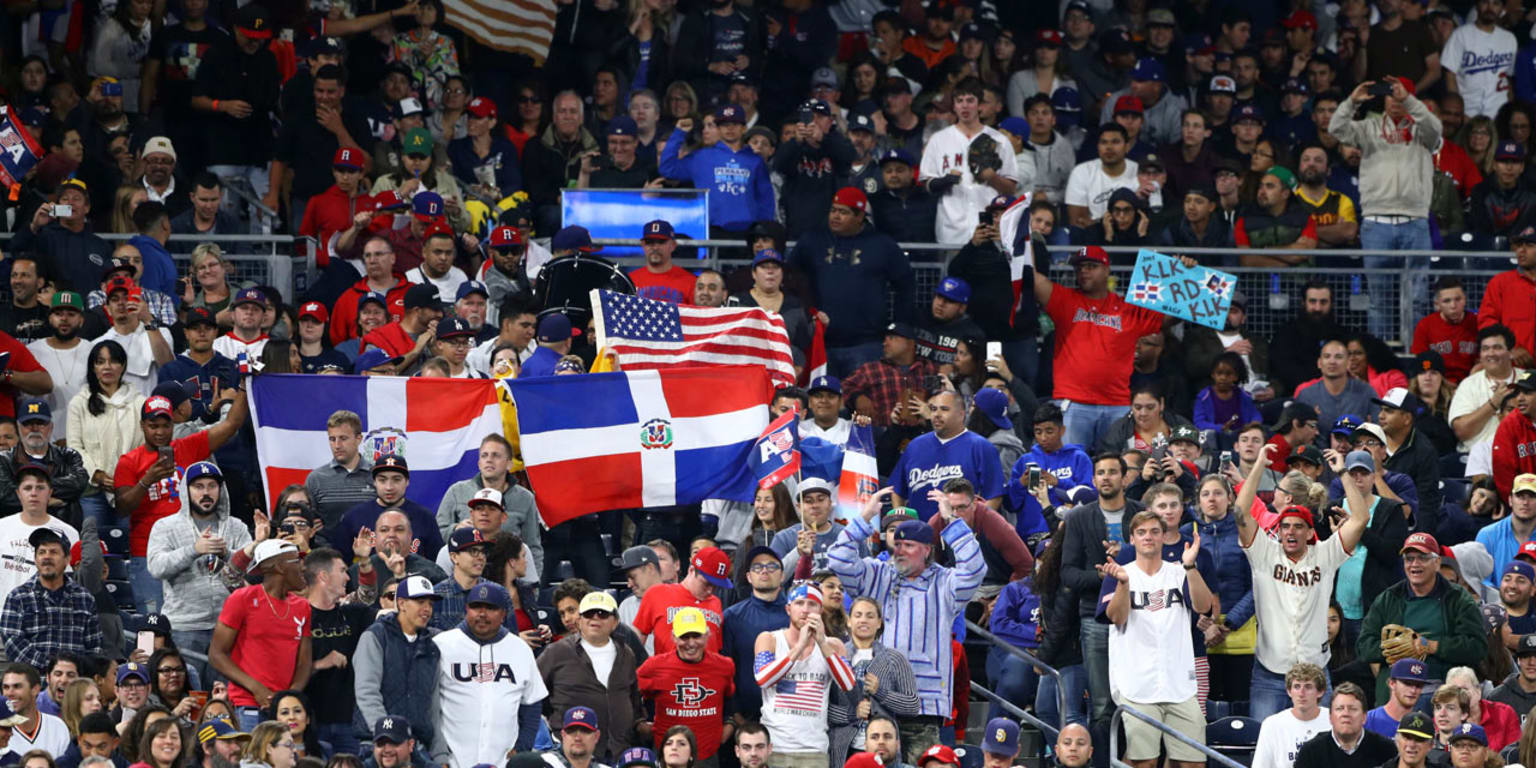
(1281, 736)
(1483, 63)
(1151, 657)
(1090, 187)
(958, 210)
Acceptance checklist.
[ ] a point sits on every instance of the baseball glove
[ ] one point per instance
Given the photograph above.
(983, 154)
(1400, 642)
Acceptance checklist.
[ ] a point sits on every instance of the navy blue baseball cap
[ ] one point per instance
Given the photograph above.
(375, 297)
(859, 122)
(1001, 737)
(954, 289)
(580, 717)
(1066, 100)
(1347, 424)
(1295, 85)
(730, 113)
(427, 205)
(203, 469)
(623, 125)
(897, 156)
(825, 384)
(451, 327)
(33, 409)
(637, 756)
(391, 462)
(1509, 150)
(660, 229)
(914, 530)
(817, 106)
(573, 239)
(1149, 69)
(767, 254)
(1247, 112)
(554, 327)
(393, 729)
(464, 538)
(249, 296)
(488, 593)
(471, 286)
(372, 359)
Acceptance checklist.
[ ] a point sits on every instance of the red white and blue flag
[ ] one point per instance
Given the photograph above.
(646, 334)
(436, 424)
(1013, 229)
(18, 150)
(637, 439)
(860, 478)
(776, 457)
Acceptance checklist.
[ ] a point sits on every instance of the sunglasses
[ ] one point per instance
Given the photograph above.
(597, 613)
(387, 596)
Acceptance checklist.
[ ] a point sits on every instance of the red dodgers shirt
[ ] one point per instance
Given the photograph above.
(662, 602)
(689, 693)
(267, 637)
(163, 499)
(1096, 345)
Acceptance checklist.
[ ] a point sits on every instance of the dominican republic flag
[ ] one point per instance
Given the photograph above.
(436, 424)
(18, 150)
(1013, 228)
(775, 457)
(860, 478)
(635, 439)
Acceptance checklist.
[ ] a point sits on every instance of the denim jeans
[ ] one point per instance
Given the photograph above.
(341, 736)
(1023, 358)
(196, 640)
(1095, 637)
(1086, 425)
(1047, 706)
(148, 591)
(248, 718)
(841, 361)
(1013, 679)
(95, 505)
(1411, 235)
(1268, 694)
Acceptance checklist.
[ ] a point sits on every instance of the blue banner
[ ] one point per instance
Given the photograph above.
(1198, 294)
(622, 213)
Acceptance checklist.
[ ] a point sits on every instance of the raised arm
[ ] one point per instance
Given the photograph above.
(1247, 527)
(1359, 514)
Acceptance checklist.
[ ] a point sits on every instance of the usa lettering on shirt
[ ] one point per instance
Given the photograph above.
(482, 672)
(1157, 600)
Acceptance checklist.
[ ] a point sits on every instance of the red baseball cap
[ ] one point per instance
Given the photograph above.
(1421, 542)
(1300, 20)
(1129, 103)
(506, 237)
(865, 760)
(940, 753)
(1091, 253)
(1048, 37)
(853, 197)
(315, 310)
(714, 565)
(1408, 85)
(480, 106)
(75, 554)
(350, 158)
(158, 405)
(1527, 551)
(1297, 511)
(437, 227)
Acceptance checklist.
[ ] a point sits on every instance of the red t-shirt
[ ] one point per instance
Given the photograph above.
(674, 285)
(658, 606)
(23, 361)
(1456, 343)
(267, 634)
(163, 499)
(689, 693)
(1096, 345)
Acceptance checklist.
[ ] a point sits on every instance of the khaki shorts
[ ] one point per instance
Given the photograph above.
(798, 760)
(1142, 740)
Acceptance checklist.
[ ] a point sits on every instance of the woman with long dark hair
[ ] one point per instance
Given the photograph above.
(161, 745)
(532, 114)
(104, 424)
(168, 682)
(292, 709)
(485, 161)
(1370, 360)
(679, 748)
(1059, 646)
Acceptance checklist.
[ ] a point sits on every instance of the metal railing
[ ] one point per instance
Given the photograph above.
(977, 630)
(1114, 738)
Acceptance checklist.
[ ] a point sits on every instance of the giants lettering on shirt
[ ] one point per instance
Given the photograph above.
(1304, 578)
(1096, 318)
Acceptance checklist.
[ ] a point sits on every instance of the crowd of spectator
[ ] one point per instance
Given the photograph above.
(1307, 533)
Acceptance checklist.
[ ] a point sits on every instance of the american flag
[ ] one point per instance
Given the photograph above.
(801, 694)
(646, 334)
(511, 26)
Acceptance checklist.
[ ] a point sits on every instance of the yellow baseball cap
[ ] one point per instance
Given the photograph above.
(689, 621)
(598, 600)
(1526, 482)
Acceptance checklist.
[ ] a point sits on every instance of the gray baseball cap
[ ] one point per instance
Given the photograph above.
(636, 556)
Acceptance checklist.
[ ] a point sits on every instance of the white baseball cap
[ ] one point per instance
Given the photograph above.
(488, 495)
(269, 549)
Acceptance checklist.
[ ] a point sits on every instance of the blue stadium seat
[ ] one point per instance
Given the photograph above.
(1234, 737)
(970, 757)
(122, 594)
(117, 569)
(116, 539)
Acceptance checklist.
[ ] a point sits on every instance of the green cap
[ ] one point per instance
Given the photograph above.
(898, 514)
(417, 141)
(1283, 174)
(67, 300)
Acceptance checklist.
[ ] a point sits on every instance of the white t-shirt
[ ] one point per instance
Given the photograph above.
(1091, 187)
(231, 346)
(51, 736)
(142, 372)
(447, 285)
(837, 435)
(1470, 395)
(16, 552)
(67, 367)
(1291, 601)
(1483, 63)
(602, 659)
(1281, 736)
(958, 209)
(1480, 459)
(1151, 659)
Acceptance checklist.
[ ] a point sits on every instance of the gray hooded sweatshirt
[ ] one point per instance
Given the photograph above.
(195, 585)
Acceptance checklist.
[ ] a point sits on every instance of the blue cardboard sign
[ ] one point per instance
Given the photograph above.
(1198, 294)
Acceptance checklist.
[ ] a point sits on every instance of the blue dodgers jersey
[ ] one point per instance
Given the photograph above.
(928, 464)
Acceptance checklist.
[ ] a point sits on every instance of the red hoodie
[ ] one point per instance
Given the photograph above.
(1514, 450)
(344, 314)
(326, 214)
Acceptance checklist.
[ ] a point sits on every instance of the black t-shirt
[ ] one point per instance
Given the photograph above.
(613, 178)
(330, 690)
(227, 73)
(728, 37)
(326, 357)
(307, 148)
(26, 325)
(180, 52)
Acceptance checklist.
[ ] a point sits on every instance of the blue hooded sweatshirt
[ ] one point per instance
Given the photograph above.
(159, 269)
(1072, 467)
(740, 190)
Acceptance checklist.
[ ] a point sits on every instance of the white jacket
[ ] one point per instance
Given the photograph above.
(102, 440)
(480, 687)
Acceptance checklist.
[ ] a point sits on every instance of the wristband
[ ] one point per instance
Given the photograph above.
(1188, 567)
(215, 105)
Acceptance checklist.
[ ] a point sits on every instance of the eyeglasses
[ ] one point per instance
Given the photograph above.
(597, 613)
(765, 568)
(390, 595)
(172, 670)
(132, 683)
(284, 744)
(1417, 557)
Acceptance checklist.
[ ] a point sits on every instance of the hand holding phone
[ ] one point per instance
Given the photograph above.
(145, 642)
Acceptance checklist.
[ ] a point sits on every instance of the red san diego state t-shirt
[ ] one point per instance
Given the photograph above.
(1096, 345)
(267, 637)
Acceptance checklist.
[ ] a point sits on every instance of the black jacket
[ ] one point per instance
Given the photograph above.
(1293, 354)
(1084, 548)
(986, 269)
(1323, 752)
(906, 218)
(548, 163)
(811, 176)
(1418, 459)
(69, 482)
(72, 260)
(690, 57)
(851, 276)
